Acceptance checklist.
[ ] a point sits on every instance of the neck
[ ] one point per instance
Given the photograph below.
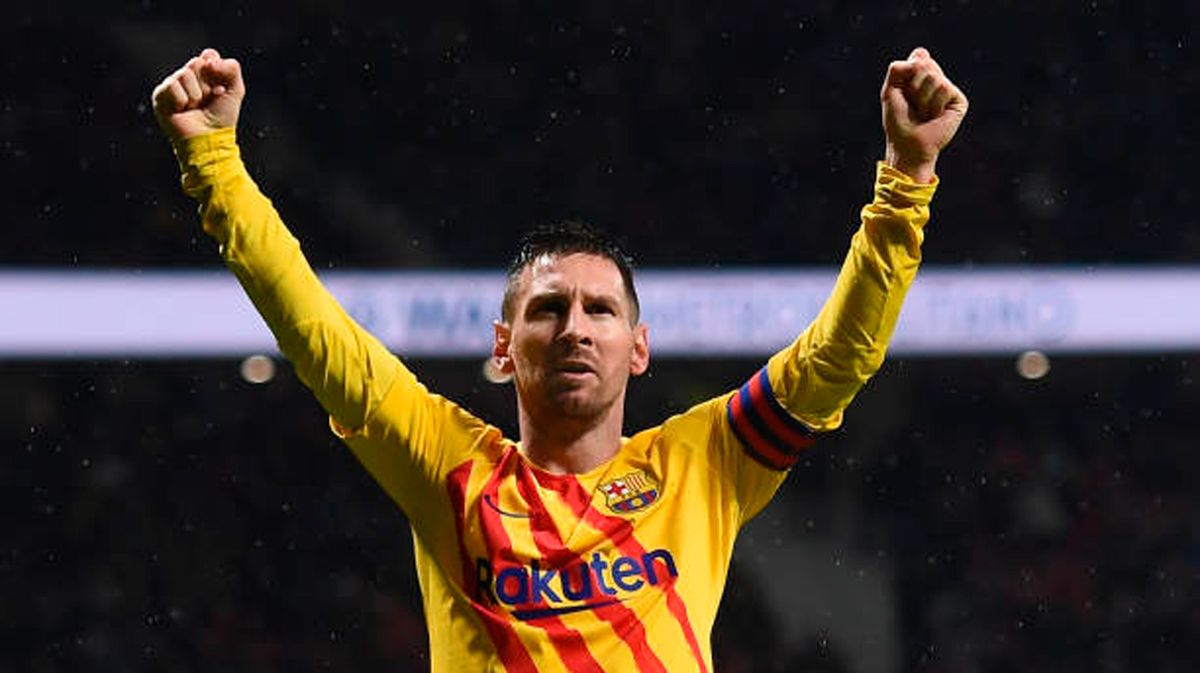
(566, 445)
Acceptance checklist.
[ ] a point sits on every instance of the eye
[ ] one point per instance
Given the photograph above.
(601, 308)
(549, 305)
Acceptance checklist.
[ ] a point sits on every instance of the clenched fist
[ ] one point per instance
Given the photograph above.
(203, 96)
(922, 110)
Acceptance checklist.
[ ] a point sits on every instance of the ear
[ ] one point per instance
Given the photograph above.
(641, 350)
(502, 340)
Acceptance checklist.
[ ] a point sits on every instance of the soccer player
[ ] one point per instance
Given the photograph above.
(575, 548)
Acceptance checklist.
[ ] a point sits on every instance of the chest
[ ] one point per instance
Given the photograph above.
(553, 541)
(522, 514)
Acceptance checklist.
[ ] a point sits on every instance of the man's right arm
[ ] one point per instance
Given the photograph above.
(347, 369)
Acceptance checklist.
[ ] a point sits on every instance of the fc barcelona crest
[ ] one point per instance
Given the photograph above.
(631, 493)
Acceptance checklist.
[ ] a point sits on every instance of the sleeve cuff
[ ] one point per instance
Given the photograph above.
(204, 158)
(898, 190)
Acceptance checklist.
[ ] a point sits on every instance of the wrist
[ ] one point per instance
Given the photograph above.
(921, 169)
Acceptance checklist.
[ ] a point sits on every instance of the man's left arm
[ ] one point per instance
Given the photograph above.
(805, 387)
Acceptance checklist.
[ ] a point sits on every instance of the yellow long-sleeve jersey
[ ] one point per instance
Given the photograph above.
(617, 569)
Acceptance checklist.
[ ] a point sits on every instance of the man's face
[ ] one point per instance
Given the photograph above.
(571, 345)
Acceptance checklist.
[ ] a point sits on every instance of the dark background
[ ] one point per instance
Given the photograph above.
(166, 515)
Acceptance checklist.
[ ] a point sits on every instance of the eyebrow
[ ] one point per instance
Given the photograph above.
(554, 293)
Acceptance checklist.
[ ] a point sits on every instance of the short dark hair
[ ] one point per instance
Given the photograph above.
(567, 238)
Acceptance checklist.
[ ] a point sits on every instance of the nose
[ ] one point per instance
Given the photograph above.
(575, 326)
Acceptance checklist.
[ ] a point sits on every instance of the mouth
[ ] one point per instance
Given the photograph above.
(575, 367)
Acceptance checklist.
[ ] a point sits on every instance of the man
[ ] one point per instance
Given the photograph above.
(575, 549)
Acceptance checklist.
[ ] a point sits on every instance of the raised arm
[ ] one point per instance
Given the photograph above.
(806, 387)
(348, 370)
(845, 345)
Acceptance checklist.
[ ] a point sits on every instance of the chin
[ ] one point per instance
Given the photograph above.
(577, 408)
(578, 404)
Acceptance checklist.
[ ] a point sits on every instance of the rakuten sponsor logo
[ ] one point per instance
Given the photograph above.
(538, 592)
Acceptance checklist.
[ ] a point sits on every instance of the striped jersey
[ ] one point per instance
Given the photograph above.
(617, 569)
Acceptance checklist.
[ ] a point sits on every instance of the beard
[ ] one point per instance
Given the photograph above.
(580, 398)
